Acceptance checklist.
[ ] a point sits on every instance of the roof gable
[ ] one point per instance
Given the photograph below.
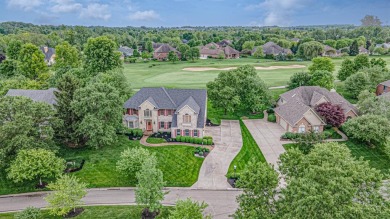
(46, 96)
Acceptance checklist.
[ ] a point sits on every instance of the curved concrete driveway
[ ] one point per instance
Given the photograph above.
(228, 142)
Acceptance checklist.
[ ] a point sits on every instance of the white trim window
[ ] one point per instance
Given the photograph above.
(148, 113)
(162, 125)
(130, 124)
(169, 125)
(178, 132)
(196, 133)
(316, 129)
(302, 129)
(186, 118)
(187, 132)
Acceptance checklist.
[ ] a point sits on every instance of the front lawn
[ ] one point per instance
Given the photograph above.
(178, 163)
(215, 115)
(152, 140)
(102, 212)
(377, 159)
(249, 150)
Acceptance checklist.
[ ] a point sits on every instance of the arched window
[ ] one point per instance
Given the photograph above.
(186, 118)
(302, 129)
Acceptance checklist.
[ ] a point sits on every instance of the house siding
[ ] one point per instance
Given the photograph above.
(308, 126)
(380, 89)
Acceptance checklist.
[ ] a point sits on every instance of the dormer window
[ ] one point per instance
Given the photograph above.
(186, 118)
(148, 113)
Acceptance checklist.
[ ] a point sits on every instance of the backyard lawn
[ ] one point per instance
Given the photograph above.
(102, 212)
(250, 150)
(178, 164)
(376, 158)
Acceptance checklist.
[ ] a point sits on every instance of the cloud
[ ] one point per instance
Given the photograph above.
(96, 11)
(278, 12)
(149, 15)
(65, 6)
(24, 4)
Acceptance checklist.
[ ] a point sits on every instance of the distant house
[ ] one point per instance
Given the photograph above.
(363, 50)
(125, 51)
(383, 45)
(271, 48)
(295, 40)
(295, 110)
(224, 43)
(50, 54)
(382, 88)
(214, 50)
(331, 52)
(46, 96)
(178, 111)
(161, 52)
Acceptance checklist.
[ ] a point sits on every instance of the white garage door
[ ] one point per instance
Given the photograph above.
(283, 123)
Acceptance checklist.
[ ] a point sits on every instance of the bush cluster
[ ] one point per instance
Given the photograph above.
(271, 117)
(136, 132)
(207, 140)
(201, 151)
(293, 136)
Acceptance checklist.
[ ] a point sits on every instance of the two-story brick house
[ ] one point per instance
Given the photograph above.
(179, 111)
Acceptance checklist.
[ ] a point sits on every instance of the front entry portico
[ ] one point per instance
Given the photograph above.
(149, 126)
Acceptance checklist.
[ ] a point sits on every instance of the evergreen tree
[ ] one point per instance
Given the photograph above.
(354, 49)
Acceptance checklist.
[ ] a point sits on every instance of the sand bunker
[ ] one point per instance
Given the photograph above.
(230, 68)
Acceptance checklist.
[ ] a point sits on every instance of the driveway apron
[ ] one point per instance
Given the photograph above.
(228, 142)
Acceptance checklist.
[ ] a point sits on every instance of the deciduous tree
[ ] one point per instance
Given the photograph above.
(188, 209)
(35, 164)
(371, 20)
(357, 83)
(331, 113)
(32, 61)
(192, 54)
(354, 49)
(100, 109)
(67, 56)
(347, 69)
(321, 64)
(310, 50)
(323, 79)
(66, 196)
(259, 52)
(131, 160)
(172, 57)
(101, 55)
(149, 188)
(299, 79)
(361, 61)
(13, 49)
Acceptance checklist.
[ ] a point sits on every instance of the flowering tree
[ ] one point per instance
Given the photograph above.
(331, 113)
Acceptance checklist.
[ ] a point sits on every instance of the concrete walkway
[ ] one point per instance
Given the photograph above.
(267, 136)
(228, 142)
(221, 203)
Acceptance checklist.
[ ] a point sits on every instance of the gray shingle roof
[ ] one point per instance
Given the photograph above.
(299, 100)
(46, 96)
(172, 99)
(126, 51)
(274, 49)
(386, 83)
(49, 53)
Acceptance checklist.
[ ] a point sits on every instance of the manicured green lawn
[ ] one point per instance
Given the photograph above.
(250, 150)
(178, 163)
(377, 159)
(151, 140)
(216, 114)
(102, 212)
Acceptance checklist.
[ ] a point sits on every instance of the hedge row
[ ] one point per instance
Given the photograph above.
(136, 132)
(205, 140)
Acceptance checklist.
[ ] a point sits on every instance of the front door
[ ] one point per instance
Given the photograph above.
(149, 125)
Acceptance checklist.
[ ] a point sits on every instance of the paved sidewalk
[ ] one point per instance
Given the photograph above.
(267, 136)
(228, 142)
(222, 203)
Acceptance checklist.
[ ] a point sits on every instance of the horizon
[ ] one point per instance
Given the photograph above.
(183, 13)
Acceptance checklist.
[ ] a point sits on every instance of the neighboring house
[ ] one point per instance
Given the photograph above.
(50, 54)
(295, 110)
(179, 111)
(331, 52)
(363, 50)
(214, 50)
(383, 87)
(161, 52)
(125, 51)
(271, 48)
(295, 40)
(383, 45)
(46, 96)
(224, 43)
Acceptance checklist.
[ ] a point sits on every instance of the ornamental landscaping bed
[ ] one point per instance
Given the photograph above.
(201, 152)
(74, 166)
(74, 213)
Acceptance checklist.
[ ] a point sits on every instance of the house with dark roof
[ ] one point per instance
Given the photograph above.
(214, 50)
(271, 48)
(178, 111)
(295, 110)
(125, 51)
(331, 52)
(50, 54)
(382, 88)
(161, 51)
(46, 96)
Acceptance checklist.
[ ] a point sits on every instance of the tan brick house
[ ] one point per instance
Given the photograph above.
(214, 50)
(179, 111)
(161, 51)
(295, 110)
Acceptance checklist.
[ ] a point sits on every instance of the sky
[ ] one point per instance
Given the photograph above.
(177, 13)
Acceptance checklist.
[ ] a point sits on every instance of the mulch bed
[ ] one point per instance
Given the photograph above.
(146, 214)
(164, 135)
(204, 154)
(75, 169)
(209, 123)
(74, 213)
(232, 182)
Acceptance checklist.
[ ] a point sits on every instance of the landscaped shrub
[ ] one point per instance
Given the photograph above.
(209, 141)
(136, 132)
(192, 140)
(179, 138)
(271, 117)
(188, 139)
(29, 213)
(204, 141)
(270, 110)
(290, 135)
(198, 141)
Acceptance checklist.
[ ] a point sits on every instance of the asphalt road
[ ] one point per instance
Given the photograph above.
(222, 203)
